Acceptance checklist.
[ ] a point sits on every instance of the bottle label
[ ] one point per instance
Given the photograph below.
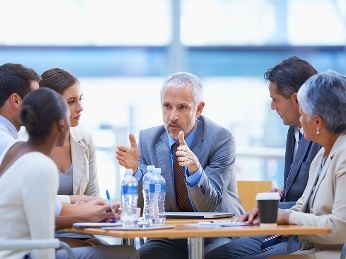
(132, 189)
(152, 187)
(157, 187)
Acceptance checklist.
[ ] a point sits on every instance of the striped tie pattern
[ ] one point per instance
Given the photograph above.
(300, 136)
(268, 242)
(180, 186)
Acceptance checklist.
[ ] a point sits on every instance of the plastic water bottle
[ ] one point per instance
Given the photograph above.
(161, 200)
(148, 217)
(157, 193)
(129, 200)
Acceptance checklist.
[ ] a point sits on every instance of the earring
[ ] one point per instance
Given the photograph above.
(317, 131)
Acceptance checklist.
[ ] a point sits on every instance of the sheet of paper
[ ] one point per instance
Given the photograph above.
(139, 228)
(198, 215)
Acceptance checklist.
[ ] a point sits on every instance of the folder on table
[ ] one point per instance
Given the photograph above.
(198, 215)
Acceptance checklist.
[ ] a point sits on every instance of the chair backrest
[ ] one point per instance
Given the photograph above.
(247, 191)
(343, 252)
(32, 244)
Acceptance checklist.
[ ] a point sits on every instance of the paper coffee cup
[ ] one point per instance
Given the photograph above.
(268, 205)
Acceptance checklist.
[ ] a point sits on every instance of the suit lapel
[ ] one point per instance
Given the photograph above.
(337, 145)
(196, 145)
(289, 151)
(297, 162)
(318, 179)
(78, 160)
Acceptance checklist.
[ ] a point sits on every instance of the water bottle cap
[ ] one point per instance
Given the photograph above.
(129, 171)
(150, 167)
(157, 170)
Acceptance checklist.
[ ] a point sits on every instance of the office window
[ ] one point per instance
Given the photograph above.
(148, 22)
(119, 49)
(87, 22)
(314, 22)
(263, 22)
(218, 22)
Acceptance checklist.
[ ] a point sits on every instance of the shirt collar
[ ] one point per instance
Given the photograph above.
(188, 139)
(9, 126)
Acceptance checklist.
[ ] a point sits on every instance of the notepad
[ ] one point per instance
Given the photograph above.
(198, 215)
(95, 224)
(223, 223)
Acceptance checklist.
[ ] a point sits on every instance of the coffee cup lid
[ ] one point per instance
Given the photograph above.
(268, 196)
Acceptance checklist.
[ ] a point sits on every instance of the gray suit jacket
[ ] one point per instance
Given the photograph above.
(214, 146)
(296, 172)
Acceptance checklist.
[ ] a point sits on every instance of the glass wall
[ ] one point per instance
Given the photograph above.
(122, 50)
(149, 22)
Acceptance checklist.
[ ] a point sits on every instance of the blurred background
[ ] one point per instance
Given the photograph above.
(121, 51)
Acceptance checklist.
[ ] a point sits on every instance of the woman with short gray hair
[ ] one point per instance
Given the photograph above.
(322, 101)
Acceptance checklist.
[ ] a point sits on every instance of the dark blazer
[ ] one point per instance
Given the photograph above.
(215, 148)
(296, 172)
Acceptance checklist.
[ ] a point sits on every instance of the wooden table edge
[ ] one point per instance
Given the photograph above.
(187, 231)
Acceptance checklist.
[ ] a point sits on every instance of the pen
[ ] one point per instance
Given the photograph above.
(110, 204)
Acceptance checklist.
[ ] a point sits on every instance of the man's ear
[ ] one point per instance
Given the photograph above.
(295, 97)
(199, 109)
(15, 100)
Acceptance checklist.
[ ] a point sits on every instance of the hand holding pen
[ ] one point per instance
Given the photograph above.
(110, 204)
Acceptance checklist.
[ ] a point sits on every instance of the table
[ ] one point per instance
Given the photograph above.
(195, 233)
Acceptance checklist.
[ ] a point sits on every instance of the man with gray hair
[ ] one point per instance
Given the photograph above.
(200, 150)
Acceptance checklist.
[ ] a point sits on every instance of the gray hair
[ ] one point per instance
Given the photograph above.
(182, 79)
(324, 94)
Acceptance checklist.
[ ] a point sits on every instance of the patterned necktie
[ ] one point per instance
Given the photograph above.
(180, 187)
(300, 136)
(268, 242)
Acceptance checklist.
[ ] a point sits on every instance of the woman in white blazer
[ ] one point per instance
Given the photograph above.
(76, 159)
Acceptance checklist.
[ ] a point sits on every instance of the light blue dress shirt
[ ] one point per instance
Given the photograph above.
(191, 180)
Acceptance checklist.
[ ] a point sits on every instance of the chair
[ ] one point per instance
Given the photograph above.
(343, 252)
(247, 191)
(33, 244)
